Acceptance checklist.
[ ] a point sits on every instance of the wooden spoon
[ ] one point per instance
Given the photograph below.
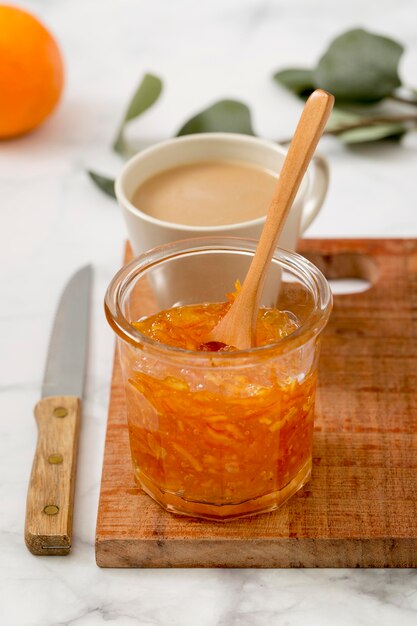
(237, 327)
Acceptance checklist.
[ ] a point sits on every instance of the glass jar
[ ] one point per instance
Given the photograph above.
(218, 435)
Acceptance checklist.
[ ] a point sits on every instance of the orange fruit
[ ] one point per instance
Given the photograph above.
(31, 72)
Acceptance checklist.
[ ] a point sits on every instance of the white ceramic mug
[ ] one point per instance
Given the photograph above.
(146, 232)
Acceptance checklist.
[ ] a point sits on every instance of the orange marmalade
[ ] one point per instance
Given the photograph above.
(220, 440)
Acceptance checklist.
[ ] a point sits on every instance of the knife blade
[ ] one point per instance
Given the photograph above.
(50, 498)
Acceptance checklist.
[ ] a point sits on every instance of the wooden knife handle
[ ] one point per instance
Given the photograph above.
(50, 499)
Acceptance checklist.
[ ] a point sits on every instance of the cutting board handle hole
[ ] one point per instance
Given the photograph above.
(347, 272)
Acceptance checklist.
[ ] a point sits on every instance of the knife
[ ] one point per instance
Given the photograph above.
(50, 498)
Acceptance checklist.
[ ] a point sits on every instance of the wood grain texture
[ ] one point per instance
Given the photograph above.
(360, 507)
(50, 498)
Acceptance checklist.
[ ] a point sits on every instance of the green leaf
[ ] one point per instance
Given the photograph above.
(363, 134)
(373, 133)
(339, 117)
(229, 116)
(103, 183)
(144, 97)
(298, 80)
(360, 66)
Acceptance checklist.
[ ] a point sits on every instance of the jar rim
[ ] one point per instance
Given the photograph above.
(307, 271)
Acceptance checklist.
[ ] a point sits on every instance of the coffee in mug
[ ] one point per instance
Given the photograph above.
(207, 193)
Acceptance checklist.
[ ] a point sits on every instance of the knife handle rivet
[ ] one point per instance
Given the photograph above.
(55, 459)
(60, 411)
(51, 509)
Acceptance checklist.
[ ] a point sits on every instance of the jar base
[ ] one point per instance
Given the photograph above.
(178, 505)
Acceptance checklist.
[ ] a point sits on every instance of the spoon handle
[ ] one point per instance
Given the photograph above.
(238, 326)
(303, 145)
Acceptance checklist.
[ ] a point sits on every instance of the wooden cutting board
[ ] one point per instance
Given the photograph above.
(360, 507)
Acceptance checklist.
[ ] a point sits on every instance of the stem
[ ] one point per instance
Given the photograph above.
(367, 121)
(372, 121)
(403, 100)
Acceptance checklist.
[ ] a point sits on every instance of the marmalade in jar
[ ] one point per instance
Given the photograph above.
(226, 436)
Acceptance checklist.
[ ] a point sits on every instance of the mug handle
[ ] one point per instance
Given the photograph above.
(316, 192)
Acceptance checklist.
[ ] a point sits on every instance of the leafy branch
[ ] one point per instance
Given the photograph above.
(359, 68)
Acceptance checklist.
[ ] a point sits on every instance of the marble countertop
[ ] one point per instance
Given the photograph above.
(54, 220)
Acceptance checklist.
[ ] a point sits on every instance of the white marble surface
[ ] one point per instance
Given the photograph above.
(54, 220)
